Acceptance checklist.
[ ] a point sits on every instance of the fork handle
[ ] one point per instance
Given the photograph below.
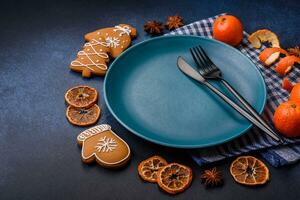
(247, 105)
(243, 112)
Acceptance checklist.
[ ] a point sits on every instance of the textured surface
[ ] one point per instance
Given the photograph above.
(39, 155)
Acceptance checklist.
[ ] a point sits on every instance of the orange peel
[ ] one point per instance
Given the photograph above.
(263, 35)
(287, 85)
(269, 55)
(286, 64)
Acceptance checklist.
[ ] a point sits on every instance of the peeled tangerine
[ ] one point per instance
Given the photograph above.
(269, 55)
(263, 35)
(286, 64)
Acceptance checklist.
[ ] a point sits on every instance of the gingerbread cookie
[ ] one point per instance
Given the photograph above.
(100, 143)
(92, 59)
(117, 38)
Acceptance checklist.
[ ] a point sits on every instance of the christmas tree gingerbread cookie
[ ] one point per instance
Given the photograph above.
(117, 38)
(92, 59)
(100, 143)
(94, 56)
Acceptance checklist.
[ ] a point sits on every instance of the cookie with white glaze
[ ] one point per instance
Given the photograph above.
(117, 38)
(102, 145)
(92, 59)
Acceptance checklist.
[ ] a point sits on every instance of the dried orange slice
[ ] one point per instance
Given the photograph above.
(174, 178)
(83, 116)
(81, 96)
(148, 168)
(263, 35)
(248, 170)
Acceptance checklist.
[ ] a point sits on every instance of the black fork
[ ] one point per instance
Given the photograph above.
(210, 71)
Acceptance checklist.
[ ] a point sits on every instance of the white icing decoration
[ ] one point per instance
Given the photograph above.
(93, 131)
(92, 44)
(98, 130)
(124, 30)
(112, 42)
(106, 144)
(98, 33)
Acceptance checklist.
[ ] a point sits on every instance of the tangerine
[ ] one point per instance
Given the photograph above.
(287, 118)
(228, 29)
(295, 93)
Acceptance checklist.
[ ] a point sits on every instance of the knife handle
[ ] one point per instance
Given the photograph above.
(245, 103)
(243, 112)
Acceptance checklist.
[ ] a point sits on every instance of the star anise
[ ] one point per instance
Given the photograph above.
(212, 177)
(174, 22)
(294, 51)
(153, 27)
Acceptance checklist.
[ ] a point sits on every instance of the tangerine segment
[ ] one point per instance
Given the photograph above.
(81, 96)
(148, 168)
(83, 116)
(174, 178)
(248, 170)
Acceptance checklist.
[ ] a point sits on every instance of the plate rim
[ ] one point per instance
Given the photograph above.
(193, 146)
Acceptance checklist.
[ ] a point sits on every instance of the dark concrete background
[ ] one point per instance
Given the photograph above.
(39, 158)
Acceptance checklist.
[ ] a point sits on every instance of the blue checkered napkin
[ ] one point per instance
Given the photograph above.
(275, 154)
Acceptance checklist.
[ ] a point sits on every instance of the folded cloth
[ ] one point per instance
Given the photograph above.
(254, 140)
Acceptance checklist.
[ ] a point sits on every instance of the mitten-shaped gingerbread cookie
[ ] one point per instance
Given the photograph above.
(100, 143)
(92, 59)
(118, 38)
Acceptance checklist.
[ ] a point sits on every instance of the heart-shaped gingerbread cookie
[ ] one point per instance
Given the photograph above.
(100, 143)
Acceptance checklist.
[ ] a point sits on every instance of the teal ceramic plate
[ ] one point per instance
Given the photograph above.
(147, 93)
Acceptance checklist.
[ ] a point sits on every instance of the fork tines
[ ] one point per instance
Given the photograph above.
(201, 59)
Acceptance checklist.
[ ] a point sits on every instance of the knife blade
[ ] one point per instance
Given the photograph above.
(189, 70)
